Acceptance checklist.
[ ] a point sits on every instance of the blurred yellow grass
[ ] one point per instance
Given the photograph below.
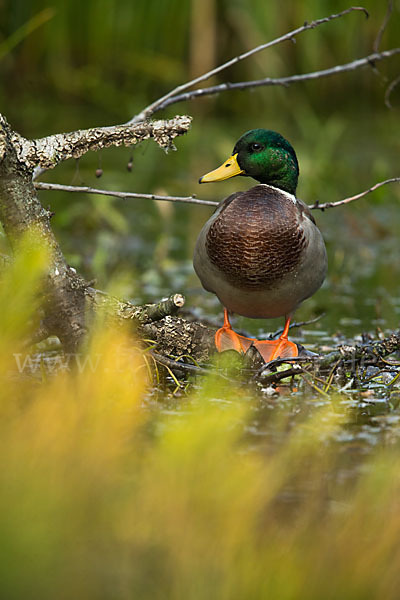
(103, 496)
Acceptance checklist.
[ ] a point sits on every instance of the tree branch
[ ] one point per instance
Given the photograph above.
(157, 323)
(356, 197)
(390, 89)
(20, 211)
(123, 195)
(382, 28)
(192, 199)
(176, 95)
(123, 311)
(295, 324)
(178, 365)
(284, 81)
(49, 151)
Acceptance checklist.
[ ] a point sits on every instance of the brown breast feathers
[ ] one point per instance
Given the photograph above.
(256, 240)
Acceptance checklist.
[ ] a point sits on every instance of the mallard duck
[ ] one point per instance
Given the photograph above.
(261, 252)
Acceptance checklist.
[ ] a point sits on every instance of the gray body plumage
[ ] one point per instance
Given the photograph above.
(261, 253)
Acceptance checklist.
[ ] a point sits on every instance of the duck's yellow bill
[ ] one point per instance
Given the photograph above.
(230, 168)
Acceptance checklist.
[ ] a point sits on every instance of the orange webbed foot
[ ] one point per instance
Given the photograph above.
(280, 348)
(227, 339)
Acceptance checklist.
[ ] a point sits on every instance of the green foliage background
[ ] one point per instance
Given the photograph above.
(68, 65)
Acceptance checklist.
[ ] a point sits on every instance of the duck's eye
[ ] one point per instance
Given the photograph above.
(256, 146)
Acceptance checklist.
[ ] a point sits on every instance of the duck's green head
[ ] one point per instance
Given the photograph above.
(264, 155)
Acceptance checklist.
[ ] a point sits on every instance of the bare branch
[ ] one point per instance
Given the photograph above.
(163, 308)
(121, 310)
(279, 331)
(389, 91)
(123, 195)
(178, 365)
(167, 99)
(284, 81)
(192, 199)
(356, 197)
(274, 377)
(382, 28)
(47, 152)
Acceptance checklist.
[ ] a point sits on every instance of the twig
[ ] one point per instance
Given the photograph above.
(375, 375)
(175, 365)
(175, 95)
(314, 387)
(123, 195)
(382, 28)
(356, 197)
(284, 81)
(390, 363)
(389, 91)
(296, 324)
(293, 361)
(39, 185)
(395, 378)
(279, 375)
(331, 375)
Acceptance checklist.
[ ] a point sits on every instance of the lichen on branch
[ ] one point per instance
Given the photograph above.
(49, 151)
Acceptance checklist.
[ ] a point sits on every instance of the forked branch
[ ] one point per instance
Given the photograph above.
(176, 95)
(369, 60)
